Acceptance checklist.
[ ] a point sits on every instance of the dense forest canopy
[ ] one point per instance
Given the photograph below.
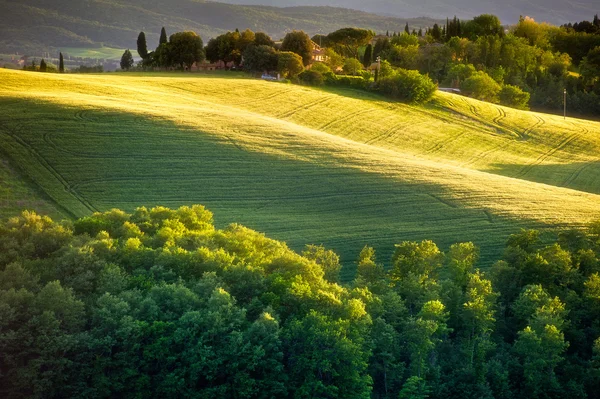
(161, 303)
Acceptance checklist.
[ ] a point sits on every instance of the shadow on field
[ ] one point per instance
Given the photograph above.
(581, 176)
(94, 159)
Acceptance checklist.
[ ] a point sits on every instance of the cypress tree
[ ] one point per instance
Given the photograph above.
(61, 63)
(163, 36)
(387, 33)
(368, 57)
(420, 32)
(436, 32)
(142, 47)
(43, 66)
(407, 29)
(596, 21)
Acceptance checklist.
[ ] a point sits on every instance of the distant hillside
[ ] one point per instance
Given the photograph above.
(27, 25)
(554, 11)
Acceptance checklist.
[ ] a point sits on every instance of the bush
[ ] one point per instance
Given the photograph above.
(357, 82)
(407, 85)
(482, 87)
(311, 78)
(320, 67)
(512, 96)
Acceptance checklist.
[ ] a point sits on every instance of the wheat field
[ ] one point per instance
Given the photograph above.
(338, 167)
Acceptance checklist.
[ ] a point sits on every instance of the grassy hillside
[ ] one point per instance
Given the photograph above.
(554, 11)
(34, 25)
(342, 168)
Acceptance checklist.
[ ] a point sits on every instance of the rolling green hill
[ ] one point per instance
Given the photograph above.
(34, 25)
(554, 11)
(342, 168)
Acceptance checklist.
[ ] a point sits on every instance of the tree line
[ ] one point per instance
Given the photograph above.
(160, 303)
(528, 65)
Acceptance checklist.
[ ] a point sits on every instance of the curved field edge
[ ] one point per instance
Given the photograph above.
(120, 145)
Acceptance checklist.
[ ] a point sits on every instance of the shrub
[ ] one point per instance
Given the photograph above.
(513, 96)
(320, 67)
(407, 85)
(311, 78)
(482, 87)
(352, 66)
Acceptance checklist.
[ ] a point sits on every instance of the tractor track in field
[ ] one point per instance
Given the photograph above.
(538, 124)
(567, 140)
(500, 117)
(387, 133)
(575, 175)
(14, 134)
(344, 119)
(439, 146)
(304, 107)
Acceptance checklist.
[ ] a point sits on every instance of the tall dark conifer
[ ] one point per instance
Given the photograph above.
(163, 36)
(61, 63)
(368, 57)
(142, 47)
(407, 29)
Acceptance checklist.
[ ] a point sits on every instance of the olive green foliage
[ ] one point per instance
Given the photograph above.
(185, 49)
(513, 96)
(311, 78)
(159, 302)
(481, 86)
(405, 39)
(127, 60)
(352, 66)
(298, 42)
(347, 41)
(483, 25)
(407, 85)
(289, 64)
(320, 67)
(260, 58)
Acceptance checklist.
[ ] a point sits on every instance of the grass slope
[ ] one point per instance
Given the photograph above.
(341, 168)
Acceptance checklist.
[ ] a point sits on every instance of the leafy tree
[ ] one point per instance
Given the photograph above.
(405, 40)
(185, 49)
(404, 57)
(298, 42)
(127, 60)
(483, 25)
(43, 66)
(407, 85)
(333, 59)
(352, 66)
(262, 39)
(514, 97)
(289, 64)
(142, 47)
(347, 41)
(61, 63)
(327, 259)
(260, 58)
(482, 87)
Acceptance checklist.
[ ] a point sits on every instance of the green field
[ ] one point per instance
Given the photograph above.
(107, 53)
(343, 168)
